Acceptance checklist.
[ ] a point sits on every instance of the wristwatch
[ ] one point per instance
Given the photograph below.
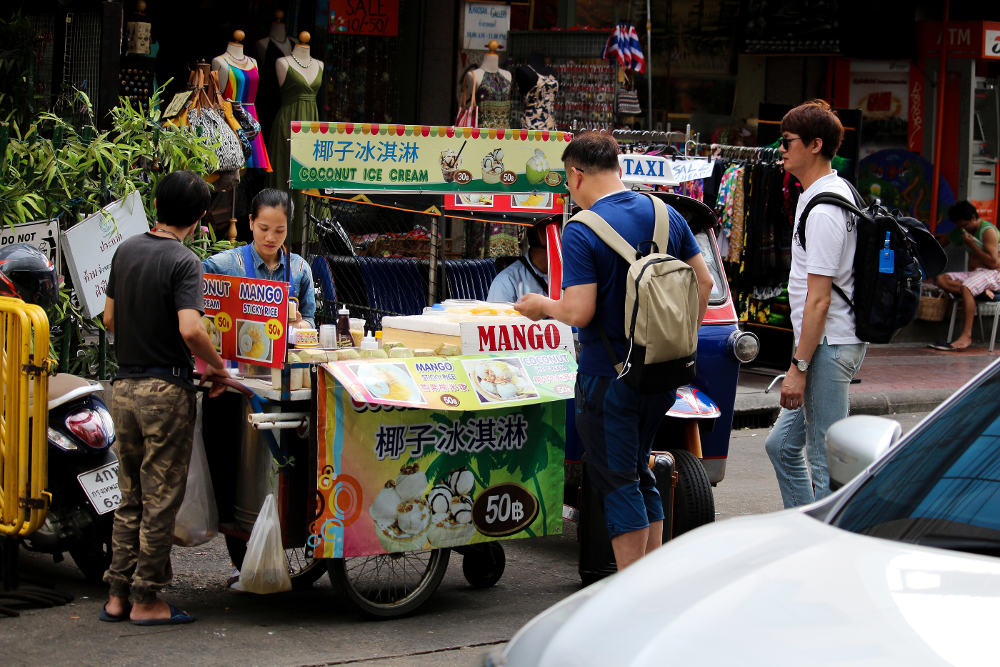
(803, 366)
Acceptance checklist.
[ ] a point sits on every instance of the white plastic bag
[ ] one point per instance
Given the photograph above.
(265, 569)
(198, 517)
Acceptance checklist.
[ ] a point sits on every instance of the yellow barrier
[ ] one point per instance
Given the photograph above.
(25, 367)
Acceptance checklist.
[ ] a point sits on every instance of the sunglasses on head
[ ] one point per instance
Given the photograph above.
(785, 141)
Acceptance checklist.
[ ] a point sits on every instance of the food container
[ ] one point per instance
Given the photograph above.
(306, 338)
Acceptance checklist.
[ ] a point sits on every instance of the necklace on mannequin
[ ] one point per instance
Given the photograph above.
(239, 62)
(297, 62)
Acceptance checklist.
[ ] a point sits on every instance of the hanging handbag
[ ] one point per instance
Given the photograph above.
(468, 116)
(227, 112)
(247, 122)
(628, 102)
(212, 126)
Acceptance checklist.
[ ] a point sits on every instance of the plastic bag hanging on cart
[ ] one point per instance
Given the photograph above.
(265, 569)
(198, 517)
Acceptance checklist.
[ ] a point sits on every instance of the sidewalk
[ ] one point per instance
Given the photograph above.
(898, 377)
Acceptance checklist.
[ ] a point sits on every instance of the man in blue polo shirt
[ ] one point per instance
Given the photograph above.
(616, 423)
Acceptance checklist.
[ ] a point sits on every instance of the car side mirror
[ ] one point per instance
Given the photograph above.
(854, 443)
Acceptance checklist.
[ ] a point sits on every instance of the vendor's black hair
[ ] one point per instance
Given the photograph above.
(962, 210)
(271, 198)
(182, 197)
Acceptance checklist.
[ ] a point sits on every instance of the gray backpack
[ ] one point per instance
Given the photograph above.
(661, 308)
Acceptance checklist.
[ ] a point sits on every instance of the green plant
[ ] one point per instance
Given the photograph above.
(18, 40)
(61, 167)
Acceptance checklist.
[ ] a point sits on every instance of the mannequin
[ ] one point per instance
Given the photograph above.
(492, 86)
(277, 36)
(299, 76)
(238, 79)
(272, 48)
(538, 85)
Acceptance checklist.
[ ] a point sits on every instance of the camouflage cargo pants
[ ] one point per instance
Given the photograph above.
(154, 421)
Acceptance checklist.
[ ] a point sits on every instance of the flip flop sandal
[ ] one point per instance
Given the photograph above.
(111, 618)
(942, 346)
(177, 617)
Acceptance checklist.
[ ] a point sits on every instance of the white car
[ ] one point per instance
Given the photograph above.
(899, 567)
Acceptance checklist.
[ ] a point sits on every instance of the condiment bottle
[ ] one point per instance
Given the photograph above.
(344, 338)
(368, 346)
(378, 337)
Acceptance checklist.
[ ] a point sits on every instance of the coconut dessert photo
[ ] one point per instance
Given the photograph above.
(400, 511)
(450, 502)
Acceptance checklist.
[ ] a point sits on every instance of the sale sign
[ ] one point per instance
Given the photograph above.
(365, 17)
(403, 480)
(246, 318)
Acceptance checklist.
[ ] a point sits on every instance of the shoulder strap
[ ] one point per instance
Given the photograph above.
(249, 270)
(606, 233)
(661, 224)
(534, 274)
(825, 198)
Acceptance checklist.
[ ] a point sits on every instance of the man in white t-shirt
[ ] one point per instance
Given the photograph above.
(827, 353)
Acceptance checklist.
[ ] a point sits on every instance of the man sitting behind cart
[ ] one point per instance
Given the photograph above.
(529, 274)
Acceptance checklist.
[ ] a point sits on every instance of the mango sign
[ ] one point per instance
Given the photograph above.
(518, 337)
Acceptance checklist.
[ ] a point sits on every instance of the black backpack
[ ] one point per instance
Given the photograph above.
(884, 301)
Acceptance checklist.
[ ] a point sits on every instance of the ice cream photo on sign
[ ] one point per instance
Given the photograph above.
(493, 166)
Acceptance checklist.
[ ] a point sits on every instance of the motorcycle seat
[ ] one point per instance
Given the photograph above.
(64, 388)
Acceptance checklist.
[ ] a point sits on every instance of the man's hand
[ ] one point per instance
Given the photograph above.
(213, 375)
(793, 388)
(531, 306)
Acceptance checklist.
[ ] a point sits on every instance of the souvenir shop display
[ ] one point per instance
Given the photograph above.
(239, 77)
(137, 71)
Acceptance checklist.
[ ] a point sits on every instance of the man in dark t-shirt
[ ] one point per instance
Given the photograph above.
(154, 307)
(616, 423)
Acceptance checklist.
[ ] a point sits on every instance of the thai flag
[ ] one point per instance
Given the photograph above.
(637, 58)
(617, 47)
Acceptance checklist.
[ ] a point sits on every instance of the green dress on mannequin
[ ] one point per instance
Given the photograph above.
(298, 102)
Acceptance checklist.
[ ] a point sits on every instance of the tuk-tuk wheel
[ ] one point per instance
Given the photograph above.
(694, 504)
(303, 569)
(389, 585)
(483, 564)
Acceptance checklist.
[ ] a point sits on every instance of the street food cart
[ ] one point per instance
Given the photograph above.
(382, 465)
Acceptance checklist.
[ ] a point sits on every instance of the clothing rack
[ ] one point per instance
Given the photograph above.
(751, 154)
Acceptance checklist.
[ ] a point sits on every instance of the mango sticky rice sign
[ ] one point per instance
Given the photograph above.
(419, 158)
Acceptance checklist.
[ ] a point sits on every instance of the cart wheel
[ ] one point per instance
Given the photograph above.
(390, 585)
(483, 564)
(694, 504)
(303, 569)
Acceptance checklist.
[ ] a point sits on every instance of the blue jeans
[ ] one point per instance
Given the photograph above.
(799, 436)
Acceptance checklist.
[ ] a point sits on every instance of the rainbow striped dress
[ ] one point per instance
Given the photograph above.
(242, 87)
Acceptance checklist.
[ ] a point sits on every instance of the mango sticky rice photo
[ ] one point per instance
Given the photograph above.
(385, 382)
(451, 162)
(537, 167)
(493, 166)
(253, 343)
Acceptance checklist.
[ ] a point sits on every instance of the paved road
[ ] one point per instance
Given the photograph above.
(315, 627)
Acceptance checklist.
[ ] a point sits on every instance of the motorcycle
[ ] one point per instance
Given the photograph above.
(82, 470)
(83, 477)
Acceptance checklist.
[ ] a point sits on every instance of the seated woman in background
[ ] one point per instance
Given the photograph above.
(267, 258)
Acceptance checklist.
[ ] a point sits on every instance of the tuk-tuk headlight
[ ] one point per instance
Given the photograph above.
(744, 346)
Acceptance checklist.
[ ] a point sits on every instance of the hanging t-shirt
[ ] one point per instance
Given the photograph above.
(831, 239)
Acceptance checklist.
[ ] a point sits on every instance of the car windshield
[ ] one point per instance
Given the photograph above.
(718, 294)
(942, 488)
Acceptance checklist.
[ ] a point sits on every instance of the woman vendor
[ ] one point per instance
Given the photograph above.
(265, 258)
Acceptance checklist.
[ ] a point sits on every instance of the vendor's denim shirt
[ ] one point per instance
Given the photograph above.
(230, 263)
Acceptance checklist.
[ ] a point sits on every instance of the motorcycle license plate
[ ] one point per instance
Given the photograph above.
(101, 487)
